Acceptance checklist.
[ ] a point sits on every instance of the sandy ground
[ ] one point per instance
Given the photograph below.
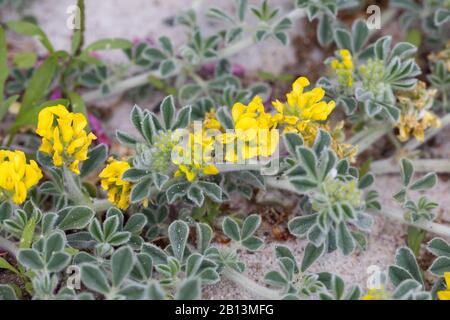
(139, 19)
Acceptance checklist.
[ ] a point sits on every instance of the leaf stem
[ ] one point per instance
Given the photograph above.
(386, 166)
(9, 246)
(74, 189)
(251, 285)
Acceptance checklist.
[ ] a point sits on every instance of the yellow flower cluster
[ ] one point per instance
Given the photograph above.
(253, 134)
(195, 157)
(303, 110)
(377, 294)
(64, 136)
(17, 176)
(111, 181)
(445, 294)
(414, 116)
(344, 67)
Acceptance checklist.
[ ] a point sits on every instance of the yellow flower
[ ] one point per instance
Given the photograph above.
(445, 294)
(343, 66)
(17, 176)
(377, 294)
(196, 157)
(111, 181)
(63, 136)
(415, 116)
(255, 133)
(303, 110)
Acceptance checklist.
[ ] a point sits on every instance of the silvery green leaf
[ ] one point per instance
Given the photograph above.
(292, 141)
(58, 262)
(308, 160)
(250, 225)
(134, 174)
(282, 37)
(397, 275)
(344, 239)
(189, 93)
(155, 291)
(343, 39)
(96, 157)
(219, 14)
(6, 210)
(7, 292)
(195, 194)
(166, 44)
(275, 278)
(403, 50)
(30, 258)
(155, 54)
(53, 243)
(441, 16)
(405, 259)
(126, 139)
(168, 111)
(148, 128)
(360, 34)
(158, 256)
(135, 223)
(322, 141)
(231, 229)
(440, 266)
(224, 117)
(167, 68)
(426, 182)
(325, 30)
(93, 278)
(136, 117)
(176, 191)
(312, 253)
(406, 171)
(159, 180)
(212, 190)
(122, 262)
(382, 47)
(183, 117)
(299, 226)
(252, 243)
(141, 190)
(302, 185)
(190, 289)
(366, 181)
(204, 236)
(178, 234)
(77, 218)
(403, 291)
(439, 247)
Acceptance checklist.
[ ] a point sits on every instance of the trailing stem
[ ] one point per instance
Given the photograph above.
(74, 191)
(251, 285)
(386, 166)
(7, 245)
(387, 211)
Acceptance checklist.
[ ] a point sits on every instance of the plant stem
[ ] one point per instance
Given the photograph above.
(433, 227)
(101, 205)
(251, 285)
(9, 246)
(390, 212)
(420, 165)
(365, 138)
(141, 79)
(74, 191)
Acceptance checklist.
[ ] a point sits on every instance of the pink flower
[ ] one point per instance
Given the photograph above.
(98, 130)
